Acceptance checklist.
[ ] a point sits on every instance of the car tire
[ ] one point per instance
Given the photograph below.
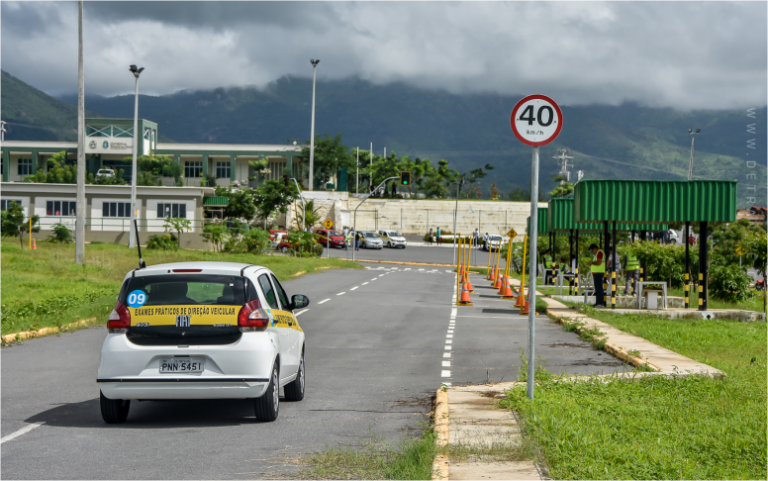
(294, 391)
(267, 406)
(114, 411)
(284, 249)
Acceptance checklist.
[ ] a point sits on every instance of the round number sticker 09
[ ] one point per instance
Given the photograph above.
(536, 120)
(137, 299)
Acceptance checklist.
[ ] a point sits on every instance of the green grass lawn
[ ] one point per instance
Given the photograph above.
(656, 427)
(46, 288)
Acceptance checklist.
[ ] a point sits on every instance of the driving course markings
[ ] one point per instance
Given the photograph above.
(341, 293)
(323, 301)
(301, 312)
(20, 432)
(352, 289)
(364, 283)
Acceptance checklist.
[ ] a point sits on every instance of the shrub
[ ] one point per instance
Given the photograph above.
(61, 233)
(729, 283)
(166, 242)
(254, 241)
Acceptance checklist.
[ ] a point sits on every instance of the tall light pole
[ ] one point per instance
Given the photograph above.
(312, 131)
(459, 185)
(690, 166)
(80, 193)
(136, 139)
(357, 173)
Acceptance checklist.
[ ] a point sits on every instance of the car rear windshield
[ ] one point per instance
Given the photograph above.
(187, 289)
(333, 233)
(369, 234)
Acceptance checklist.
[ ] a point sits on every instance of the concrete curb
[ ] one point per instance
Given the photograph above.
(440, 463)
(46, 331)
(406, 263)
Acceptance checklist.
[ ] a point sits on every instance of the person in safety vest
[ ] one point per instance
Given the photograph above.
(632, 271)
(597, 266)
(549, 263)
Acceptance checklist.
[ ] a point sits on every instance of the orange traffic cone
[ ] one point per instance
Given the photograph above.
(464, 299)
(497, 284)
(508, 294)
(502, 284)
(524, 309)
(492, 278)
(467, 283)
(34, 244)
(520, 300)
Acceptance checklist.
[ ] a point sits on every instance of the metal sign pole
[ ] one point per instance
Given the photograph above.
(532, 273)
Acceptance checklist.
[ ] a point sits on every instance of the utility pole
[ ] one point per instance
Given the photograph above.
(562, 160)
(370, 175)
(690, 165)
(357, 173)
(312, 133)
(137, 137)
(80, 193)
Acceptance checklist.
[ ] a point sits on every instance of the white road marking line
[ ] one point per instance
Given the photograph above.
(354, 288)
(450, 331)
(447, 355)
(381, 275)
(446, 363)
(407, 269)
(454, 311)
(447, 347)
(445, 383)
(449, 336)
(374, 278)
(449, 341)
(20, 432)
(421, 269)
(364, 283)
(445, 373)
(341, 293)
(301, 312)
(326, 300)
(448, 271)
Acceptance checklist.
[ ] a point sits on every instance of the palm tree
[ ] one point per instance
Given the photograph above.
(313, 215)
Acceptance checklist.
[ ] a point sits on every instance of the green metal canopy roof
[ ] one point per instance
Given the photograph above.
(215, 201)
(560, 219)
(541, 226)
(655, 201)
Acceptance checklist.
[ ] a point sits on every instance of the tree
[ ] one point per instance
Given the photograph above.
(12, 223)
(731, 239)
(273, 197)
(758, 246)
(179, 225)
(563, 189)
(58, 172)
(241, 205)
(214, 233)
(312, 215)
(330, 156)
(151, 167)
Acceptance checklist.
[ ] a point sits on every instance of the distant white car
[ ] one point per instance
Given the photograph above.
(202, 330)
(494, 242)
(105, 173)
(370, 240)
(392, 238)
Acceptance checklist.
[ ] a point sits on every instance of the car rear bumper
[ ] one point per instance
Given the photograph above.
(238, 370)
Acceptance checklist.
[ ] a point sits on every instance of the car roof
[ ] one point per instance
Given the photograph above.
(215, 268)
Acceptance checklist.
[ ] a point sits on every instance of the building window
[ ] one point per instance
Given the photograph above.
(60, 207)
(4, 204)
(116, 209)
(171, 210)
(25, 166)
(193, 169)
(222, 170)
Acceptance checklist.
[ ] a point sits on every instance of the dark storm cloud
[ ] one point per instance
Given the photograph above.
(686, 55)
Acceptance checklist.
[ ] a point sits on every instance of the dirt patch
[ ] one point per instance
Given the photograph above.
(608, 362)
(568, 344)
(424, 401)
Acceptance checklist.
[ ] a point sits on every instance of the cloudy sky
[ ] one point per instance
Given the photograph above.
(684, 55)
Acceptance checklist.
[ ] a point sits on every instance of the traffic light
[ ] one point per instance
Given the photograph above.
(405, 178)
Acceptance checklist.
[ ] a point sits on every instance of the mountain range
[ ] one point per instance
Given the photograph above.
(468, 130)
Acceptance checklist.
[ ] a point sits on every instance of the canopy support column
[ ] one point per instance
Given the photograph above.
(570, 262)
(576, 271)
(613, 267)
(606, 243)
(687, 281)
(703, 271)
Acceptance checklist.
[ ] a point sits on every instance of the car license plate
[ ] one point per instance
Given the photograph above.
(182, 364)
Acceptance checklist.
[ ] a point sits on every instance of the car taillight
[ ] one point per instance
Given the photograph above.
(120, 318)
(252, 317)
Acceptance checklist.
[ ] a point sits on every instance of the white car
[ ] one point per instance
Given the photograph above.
(370, 240)
(493, 242)
(392, 238)
(202, 330)
(105, 173)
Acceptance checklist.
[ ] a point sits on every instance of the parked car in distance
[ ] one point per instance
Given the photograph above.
(392, 238)
(336, 238)
(276, 236)
(284, 246)
(370, 240)
(494, 242)
(105, 173)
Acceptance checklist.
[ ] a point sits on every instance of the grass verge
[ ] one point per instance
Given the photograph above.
(376, 459)
(659, 427)
(45, 288)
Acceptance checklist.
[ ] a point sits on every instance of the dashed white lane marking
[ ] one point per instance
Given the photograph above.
(364, 283)
(20, 432)
(445, 373)
(453, 312)
(341, 293)
(449, 336)
(325, 300)
(354, 288)
(446, 363)
(374, 278)
(445, 383)
(447, 347)
(407, 269)
(448, 271)
(449, 341)
(447, 355)
(450, 331)
(381, 275)
(301, 312)
(421, 270)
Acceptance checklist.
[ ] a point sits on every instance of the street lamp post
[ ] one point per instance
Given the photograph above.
(312, 131)
(80, 192)
(690, 165)
(459, 184)
(354, 224)
(136, 139)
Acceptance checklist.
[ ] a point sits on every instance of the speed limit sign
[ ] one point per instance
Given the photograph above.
(536, 120)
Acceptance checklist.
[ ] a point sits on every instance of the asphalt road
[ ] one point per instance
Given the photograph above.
(413, 253)
(375, 356)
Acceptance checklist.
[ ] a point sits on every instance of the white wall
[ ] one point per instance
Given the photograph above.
(155, 223)
(109, 224)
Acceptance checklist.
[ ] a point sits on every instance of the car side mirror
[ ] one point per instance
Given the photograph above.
(299, 301)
